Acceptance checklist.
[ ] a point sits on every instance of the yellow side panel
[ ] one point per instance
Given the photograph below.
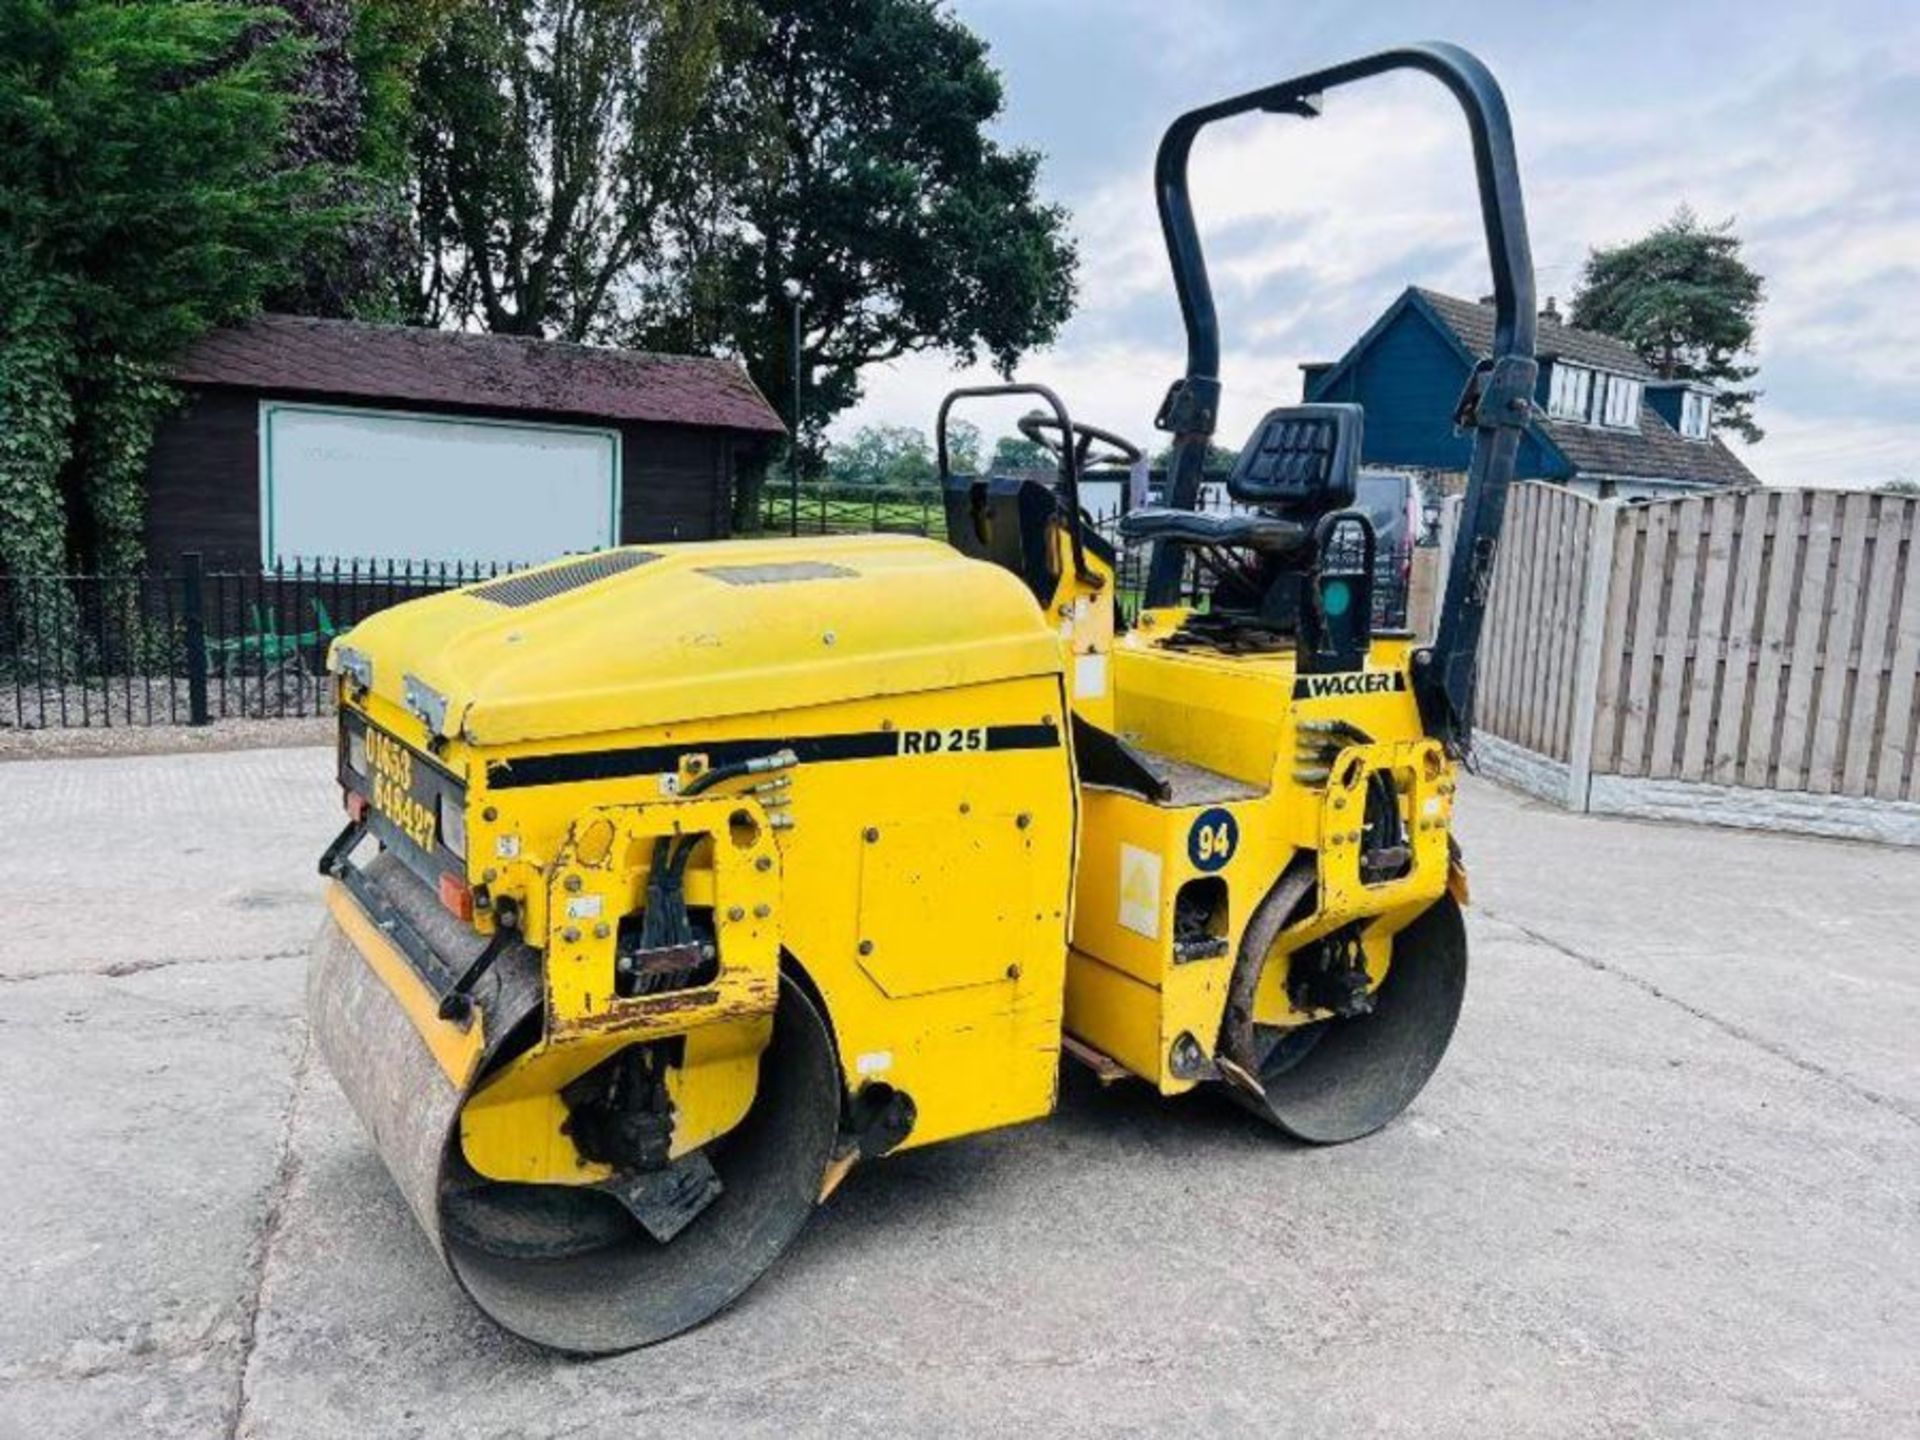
(1135, 858)
(1124, 907)
(975, 1066)
(946, 902)
(940, 943)
(963, 897)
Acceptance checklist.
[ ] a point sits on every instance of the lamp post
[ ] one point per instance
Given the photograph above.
(796, 294)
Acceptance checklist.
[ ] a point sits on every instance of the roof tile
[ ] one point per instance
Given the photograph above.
(1473, 323)
(1656, 451)
(299, 355)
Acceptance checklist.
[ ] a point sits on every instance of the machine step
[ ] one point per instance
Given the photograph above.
(1105, 1068)
(1189, 784)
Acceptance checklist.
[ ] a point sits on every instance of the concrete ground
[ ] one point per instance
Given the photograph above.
(1667, 1182)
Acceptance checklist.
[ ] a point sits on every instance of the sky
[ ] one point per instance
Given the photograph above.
(1799, 122)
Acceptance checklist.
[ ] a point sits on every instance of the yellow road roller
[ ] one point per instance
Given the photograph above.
(679, 880)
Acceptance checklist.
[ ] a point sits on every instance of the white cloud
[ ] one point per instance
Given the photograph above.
(1829, 452)
(1117, 387)
(1321, 199)
(1788, 156)
(1314, 226)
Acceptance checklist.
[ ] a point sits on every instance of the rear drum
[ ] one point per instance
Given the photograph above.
(571, 1268)
(568, 1267)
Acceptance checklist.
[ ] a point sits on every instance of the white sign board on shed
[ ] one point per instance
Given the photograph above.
(341, 484)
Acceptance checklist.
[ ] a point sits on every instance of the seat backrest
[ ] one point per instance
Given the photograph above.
(1301, 462)
(1004, 520)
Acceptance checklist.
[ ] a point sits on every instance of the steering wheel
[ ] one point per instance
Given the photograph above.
(1044, 430)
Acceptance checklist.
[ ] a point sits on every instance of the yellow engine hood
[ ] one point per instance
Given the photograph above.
(690, 631)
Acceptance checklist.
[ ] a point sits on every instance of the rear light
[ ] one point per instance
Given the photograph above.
(453, 823)
(457, 896)
(356, 807)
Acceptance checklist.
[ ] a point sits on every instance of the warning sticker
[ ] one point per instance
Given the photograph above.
(1140, 891)
(1090, 676)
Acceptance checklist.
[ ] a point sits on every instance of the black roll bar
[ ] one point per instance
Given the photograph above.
(1499, 399)
(1069, 457)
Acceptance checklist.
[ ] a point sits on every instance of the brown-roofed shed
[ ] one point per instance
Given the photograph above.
(689, 428)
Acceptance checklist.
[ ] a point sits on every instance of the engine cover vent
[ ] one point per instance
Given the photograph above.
(778, 574)
(534, 585)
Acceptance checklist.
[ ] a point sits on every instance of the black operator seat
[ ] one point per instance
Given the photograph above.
(1268, 534)
(1299, 465)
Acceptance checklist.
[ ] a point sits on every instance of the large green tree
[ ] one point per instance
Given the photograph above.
(896, 456)
(662, 172)
(354, 117)
(873, 185)
(549, 136)
(1016, 452)
(1219, 458)
(901, 456)
(1686, 301)
(145, 197)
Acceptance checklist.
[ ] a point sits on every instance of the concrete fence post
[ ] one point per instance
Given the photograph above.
(1590, 652)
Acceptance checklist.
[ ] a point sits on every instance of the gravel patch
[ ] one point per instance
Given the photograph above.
(74, 743)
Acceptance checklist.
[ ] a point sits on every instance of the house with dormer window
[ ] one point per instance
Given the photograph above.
(1605, 423)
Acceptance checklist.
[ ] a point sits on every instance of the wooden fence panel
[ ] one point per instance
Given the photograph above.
(1492, 678)
(1510, 619)
(1611, 691)
(1763, 638)
(1713, 640)
(1653, 564)
(1532, 629)
(1887, 540)
(1572, 531)
(1788, 520)
(1896, 775)
(1834, 694)
(1752, 516)
(1807, 623)
(1528, 652)
(1675, 635)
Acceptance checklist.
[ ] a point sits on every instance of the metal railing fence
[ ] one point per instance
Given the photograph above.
(187, 644)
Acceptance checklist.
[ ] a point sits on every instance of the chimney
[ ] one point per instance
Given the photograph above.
(1552, 312)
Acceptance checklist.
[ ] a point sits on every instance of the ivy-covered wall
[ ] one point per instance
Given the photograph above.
(154, 184)
(36, 429)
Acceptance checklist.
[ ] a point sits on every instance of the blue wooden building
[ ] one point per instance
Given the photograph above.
(1606, 423)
